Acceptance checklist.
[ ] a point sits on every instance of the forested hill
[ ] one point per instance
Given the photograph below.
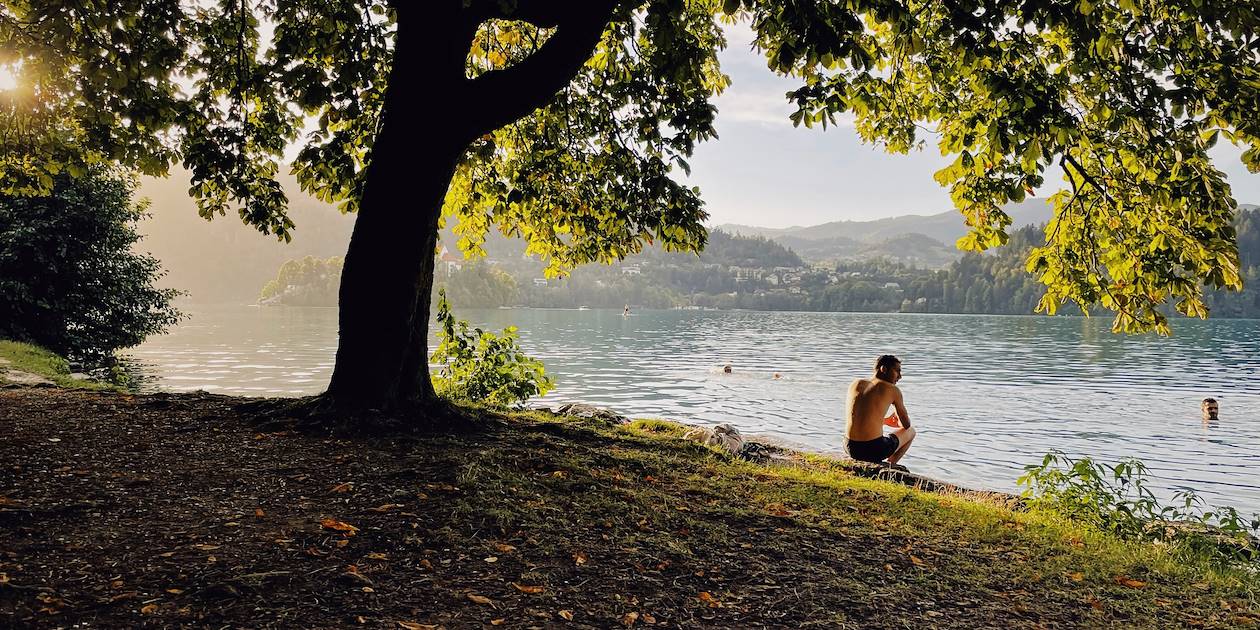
(757, 274)
(494, 280)
(742, 251)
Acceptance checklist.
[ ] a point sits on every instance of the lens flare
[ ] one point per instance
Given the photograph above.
(8, 78)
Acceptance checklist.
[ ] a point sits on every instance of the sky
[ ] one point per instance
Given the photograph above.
(762, 171)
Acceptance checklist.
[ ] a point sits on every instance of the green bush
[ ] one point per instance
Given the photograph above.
(70, 280)
(1116, 499)
(481, 366)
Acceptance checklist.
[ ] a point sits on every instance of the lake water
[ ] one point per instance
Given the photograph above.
(988, 394)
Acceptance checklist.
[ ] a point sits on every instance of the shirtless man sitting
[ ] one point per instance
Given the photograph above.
(869, 399)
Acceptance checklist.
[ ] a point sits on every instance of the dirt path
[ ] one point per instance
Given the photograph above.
(11, 375)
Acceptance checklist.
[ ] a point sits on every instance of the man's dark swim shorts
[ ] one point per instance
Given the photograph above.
(874, 451)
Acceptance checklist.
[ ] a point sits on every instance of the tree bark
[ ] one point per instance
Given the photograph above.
(432, 112)
(387, 278)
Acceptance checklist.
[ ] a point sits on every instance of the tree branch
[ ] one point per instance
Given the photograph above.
(541, 13)
(499, 97)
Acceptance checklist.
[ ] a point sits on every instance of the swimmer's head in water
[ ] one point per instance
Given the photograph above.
(1211, 409)
(888, 368)
(727, 368)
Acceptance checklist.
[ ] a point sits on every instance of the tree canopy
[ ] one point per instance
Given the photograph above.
(568, 121)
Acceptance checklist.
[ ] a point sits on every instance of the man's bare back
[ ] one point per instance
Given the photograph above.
(868, 401)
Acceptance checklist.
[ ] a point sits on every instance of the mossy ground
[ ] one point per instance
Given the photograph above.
(129, 511)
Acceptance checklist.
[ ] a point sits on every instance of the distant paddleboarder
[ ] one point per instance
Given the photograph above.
(869, 399)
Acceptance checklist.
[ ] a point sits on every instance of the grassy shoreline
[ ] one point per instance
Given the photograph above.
(32, 359)
(165, 509)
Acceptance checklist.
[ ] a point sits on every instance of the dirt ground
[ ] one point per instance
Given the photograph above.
(177, 510)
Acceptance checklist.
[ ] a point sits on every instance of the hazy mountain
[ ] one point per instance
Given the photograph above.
(922, 240)
(945, 227)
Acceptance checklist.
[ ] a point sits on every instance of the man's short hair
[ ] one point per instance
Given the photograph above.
(886, 362)
(1209, 400)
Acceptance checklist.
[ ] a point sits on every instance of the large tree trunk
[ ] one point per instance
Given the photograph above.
(382, 358)
(431, 114)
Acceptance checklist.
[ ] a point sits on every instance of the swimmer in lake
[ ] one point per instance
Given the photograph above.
(1211, 411)
(727, 368)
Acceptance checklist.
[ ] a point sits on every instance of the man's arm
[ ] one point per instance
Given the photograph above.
(900, 406)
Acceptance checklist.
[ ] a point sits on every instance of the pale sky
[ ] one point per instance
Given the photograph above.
(762, 171)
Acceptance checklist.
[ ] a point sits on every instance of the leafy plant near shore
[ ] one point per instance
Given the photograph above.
(1116, 499)
(482, 366)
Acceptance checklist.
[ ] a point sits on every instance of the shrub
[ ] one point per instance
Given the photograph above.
(481, 366)
(69, 280)
(1116, 499)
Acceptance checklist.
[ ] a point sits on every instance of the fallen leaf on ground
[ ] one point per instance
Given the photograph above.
(579, 558)
(377, 556)
(527, 589)
(1077, 577)
(778, 509)
(336, 525)
(259, 512)
(1130, 582)
(342, 487)
(708, 599)
(498, 622)
(411, 625)
(386, 507)
(629, 618)
(492, 559)
(648, 619)
(480, 599)
(916, 561)
(149, 610)
(504, 548)
(566, 615)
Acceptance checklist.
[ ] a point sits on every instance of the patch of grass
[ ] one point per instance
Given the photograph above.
(36, 360)
(664, 428)
(648, 483)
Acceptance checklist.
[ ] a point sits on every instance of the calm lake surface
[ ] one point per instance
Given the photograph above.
(988, 394)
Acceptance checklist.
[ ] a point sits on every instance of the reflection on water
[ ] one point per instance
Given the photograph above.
(988, 394)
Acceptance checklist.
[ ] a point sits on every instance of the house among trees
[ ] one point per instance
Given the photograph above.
(452, 262)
